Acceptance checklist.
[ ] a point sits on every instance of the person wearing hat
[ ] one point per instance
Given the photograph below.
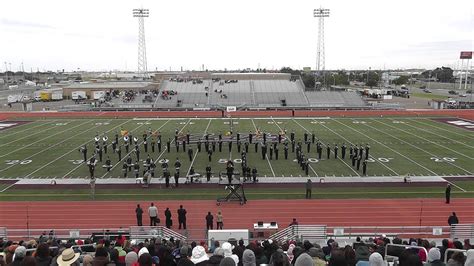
(18, 255)
(376, 259)
(469, 258)
(227, 261)
(228, 247)
(199, 256)
(67, 257)
(362, 254)
(318, 256)
(248, 258)
(304, 260)
(216, 258)
(434, 258)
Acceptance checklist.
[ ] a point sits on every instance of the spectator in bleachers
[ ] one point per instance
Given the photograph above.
(434, 258)
(469, 258)
(29, 261)
(422, 253)
(87, 260)
(101, 257)
(42, 256)
(68, 257)
(131, 258)
(199, 256)
(216, 258)
(227, 247)
(318, 257)
(376, 259)
(362, 255)
(457, 259)
(350, 255)
(467, 244)
(337, 258)
(18, 256)
(408, 258)
(305, 260)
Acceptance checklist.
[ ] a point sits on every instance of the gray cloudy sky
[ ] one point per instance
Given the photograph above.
(233, 34)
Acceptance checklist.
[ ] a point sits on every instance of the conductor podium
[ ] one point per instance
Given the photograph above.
(235, 189)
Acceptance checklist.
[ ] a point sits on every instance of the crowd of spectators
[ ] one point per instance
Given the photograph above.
(166, 94)
(47, 251)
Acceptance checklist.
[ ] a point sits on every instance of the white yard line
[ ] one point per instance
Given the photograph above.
(445, 147)
(49, 147)
(70, 128)
(452, 184)
(171, 142)
(75, 149)
(126, 155)
(449, 131)
(29, 136)
(281, 130)
(5, 189)
(416, 147)
(409, 159)
(331, 151)
(269, 163)
(195, 154)
(26, 129)
(386, 166)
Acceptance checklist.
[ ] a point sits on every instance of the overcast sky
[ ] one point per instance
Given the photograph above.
(233, 34)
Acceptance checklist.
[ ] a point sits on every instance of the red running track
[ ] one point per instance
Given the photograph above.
(354, 212)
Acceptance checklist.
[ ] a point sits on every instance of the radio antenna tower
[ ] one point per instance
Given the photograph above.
(320, 13)
(141, 14)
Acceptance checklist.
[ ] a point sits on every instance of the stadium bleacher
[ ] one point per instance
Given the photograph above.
(253, 93)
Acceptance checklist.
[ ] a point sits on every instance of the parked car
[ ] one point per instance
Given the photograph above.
(453, 92)
(427, 91)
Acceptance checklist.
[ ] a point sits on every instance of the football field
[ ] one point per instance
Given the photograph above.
(48, 148)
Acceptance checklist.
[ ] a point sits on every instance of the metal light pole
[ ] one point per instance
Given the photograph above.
(141, 13)
(320, 13)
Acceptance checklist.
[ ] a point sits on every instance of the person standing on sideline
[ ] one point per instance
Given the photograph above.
(182, 217)
(453, 219)
(220, 220)
(139, 213)
(153, 212)
(209, 221)
(168, 220)
(448, 193)
(309, 187)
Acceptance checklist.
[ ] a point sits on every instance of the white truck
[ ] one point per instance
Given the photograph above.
(78, 95)
(57, 96)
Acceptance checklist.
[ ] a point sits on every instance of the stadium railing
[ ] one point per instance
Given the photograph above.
(462, 231)
(299, 232)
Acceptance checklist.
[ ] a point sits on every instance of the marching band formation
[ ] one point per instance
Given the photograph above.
(268, 144)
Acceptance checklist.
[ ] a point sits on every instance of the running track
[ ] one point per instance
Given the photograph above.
(354, 212)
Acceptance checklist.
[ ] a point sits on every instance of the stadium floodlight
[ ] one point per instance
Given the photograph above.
(141, 13)
(320, 13)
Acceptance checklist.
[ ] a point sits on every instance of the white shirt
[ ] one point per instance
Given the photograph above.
(153, 211)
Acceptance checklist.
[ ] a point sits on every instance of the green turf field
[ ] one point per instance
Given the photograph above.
(420, 146)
